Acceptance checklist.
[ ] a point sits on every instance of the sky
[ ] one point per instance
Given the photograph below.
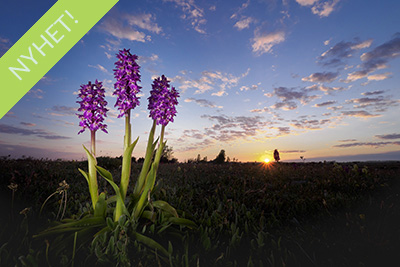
(312, 78)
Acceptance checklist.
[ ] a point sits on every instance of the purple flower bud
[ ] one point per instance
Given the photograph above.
(126, 88)
(162, 101)
(93, 106)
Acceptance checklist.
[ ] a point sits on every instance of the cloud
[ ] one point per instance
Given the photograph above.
(288, 96)
(36, 93)
(63, 111)
(373, 93)
(209, 80)
(5, 44)
(143, 21)
(292, 151)
(324, 104)
(8, 129)
(370, 144)
(342, 50)
(144, 59)
(203, 103)
(324, 9)
(227, 128)
(99, 67)
(359, 114)
(347, 140)
(379, 104)
(309, 124)
(376, 59)
(306, 2)
(117, 29)
(321, 77)
(335, 108)
(29, 124)
(124, 26)
(263, 43)
(18, 151)
(263, 110)
(240, 9)
(244, 23)
(195, 134)
(10, 114)
(379, 77)
(247, 88)
(192, 13)
(388, 136)
(328, 90)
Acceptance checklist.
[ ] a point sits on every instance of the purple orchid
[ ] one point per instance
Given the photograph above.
(162, 101)
(93, 106)
(127, 75)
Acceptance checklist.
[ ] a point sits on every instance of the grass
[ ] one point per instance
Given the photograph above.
(287, 214)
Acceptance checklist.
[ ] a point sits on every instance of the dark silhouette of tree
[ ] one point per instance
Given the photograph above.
(220, 158)
(167, 155)
(276, 155)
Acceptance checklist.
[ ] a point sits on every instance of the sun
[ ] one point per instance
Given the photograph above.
(266, 160)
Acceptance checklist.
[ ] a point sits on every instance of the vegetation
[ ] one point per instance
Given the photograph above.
(286, 214)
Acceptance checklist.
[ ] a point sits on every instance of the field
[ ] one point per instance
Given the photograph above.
(248, 214)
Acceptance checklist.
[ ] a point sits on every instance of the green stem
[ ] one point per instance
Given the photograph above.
(146, 164)
(126, 165)
(127, 138)
(159, 150)
(93, 187)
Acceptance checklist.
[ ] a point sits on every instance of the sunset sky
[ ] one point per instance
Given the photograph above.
(311, 78)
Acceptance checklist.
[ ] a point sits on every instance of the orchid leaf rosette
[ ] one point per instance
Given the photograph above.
(93, 108)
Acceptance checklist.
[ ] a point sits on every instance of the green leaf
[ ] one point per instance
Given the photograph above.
(126, 168)
(183, 222)
(149, 215)
(93, 188)
(111, 199)
(110, 223)
(86, 222)
(89, 154)
(162, 205)
(85, 174)
(101, 206)
(107, 175)
(142, 203)
(151, 243)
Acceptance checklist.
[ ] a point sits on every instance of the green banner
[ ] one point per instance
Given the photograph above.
(46, 42)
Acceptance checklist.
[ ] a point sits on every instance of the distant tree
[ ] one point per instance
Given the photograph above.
(167, 155)
(140, 160)
(204, 159)
(276, 155)
(198, 159)
(220, 158)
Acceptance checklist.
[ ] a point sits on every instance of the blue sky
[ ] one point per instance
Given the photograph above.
(311, 78)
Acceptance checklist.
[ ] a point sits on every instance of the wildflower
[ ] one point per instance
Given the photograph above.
(25, 211)
(126, 88)
(92, 104)
(162, 101)
(94, 109)
(13, 187)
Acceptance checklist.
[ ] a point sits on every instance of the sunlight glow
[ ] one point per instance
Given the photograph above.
(266, 160)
